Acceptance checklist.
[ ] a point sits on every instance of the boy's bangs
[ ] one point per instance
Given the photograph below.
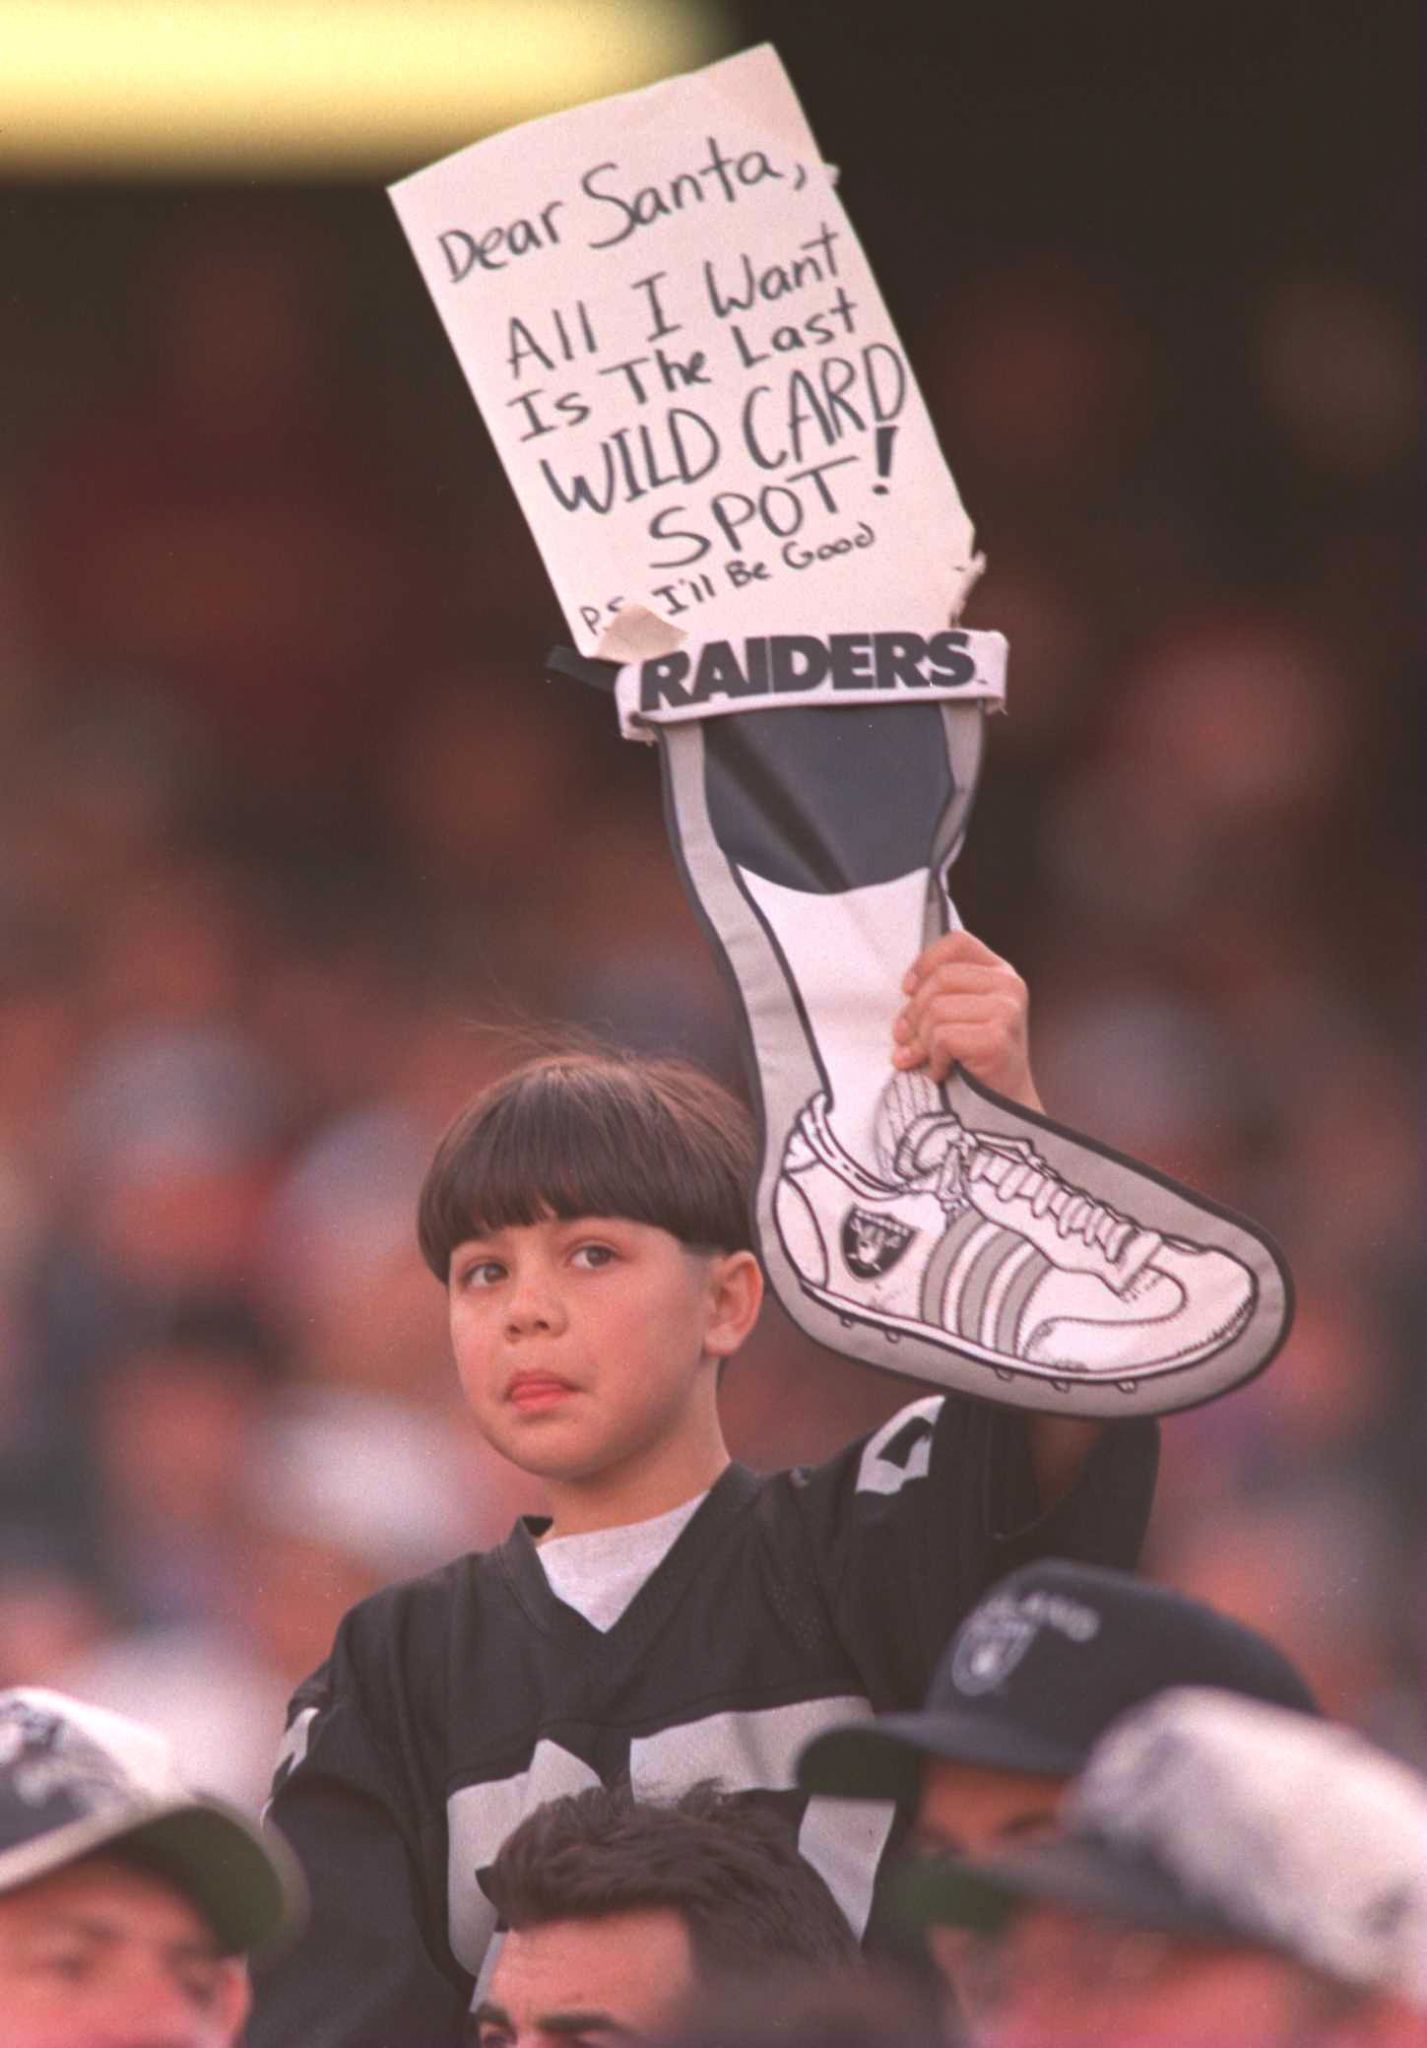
(584, 1139)
(540, 1154)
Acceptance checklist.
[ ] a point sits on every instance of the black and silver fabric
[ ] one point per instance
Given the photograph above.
(452, 1706)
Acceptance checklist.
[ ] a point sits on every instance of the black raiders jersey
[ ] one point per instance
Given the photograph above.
(453, 1705)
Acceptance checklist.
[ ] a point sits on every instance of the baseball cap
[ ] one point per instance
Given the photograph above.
(1039, 1669)
(75, 1779)
(1218, 1817)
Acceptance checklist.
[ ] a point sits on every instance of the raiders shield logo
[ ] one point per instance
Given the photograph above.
(49, 1761)
(991, 1647)
(872, 1245)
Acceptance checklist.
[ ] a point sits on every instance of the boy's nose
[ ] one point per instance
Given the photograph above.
(533, 1306)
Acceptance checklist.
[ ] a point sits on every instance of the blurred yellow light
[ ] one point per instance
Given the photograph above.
(271, 87)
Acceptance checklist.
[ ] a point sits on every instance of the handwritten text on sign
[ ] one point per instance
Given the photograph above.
(684, 361)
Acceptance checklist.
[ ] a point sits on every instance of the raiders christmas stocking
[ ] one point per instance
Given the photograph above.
(944, 1232)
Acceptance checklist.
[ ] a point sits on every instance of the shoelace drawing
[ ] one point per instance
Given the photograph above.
(941, 1153)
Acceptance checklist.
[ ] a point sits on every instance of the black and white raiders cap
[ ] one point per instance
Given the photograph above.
(76, 1779)
(1218, 1817)
(1039, 1669)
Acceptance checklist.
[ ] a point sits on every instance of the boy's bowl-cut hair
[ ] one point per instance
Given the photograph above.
(593, 1134)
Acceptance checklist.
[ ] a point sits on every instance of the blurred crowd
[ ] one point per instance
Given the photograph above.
(297, 848)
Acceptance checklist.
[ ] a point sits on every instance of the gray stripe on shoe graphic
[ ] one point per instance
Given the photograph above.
(984, 1268)
(942, 1260)
(1017, 1295)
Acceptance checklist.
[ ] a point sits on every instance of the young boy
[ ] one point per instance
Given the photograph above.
(678, 1617)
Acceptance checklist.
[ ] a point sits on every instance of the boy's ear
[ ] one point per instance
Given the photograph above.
(736, 1295)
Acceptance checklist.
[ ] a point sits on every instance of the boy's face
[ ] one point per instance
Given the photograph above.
(589, 1346)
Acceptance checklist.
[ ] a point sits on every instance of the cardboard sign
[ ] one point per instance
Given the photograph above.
(686, 366)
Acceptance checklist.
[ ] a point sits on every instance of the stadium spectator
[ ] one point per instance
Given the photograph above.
(621, 1915)
(1033, 1677)
(1030, 1681)
(1227, 1872)
(127, 1905)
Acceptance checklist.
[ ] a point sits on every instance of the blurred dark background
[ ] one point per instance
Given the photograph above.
(292, 830)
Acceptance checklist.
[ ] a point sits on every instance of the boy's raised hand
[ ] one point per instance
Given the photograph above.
(969, 1007)
(965, 1005)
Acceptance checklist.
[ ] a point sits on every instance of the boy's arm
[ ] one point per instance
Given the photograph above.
(908, 1528)
(966, 1006)
(362, 1975)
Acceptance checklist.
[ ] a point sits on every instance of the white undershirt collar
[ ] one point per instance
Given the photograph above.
(599, 1572)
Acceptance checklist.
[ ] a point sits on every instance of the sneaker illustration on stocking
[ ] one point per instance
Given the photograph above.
(970, 1239)
(940, 1231)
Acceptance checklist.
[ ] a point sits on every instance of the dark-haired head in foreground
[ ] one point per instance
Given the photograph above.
(618, 1913)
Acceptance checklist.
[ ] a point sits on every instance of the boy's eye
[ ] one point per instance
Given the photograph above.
(482, 1273)
(593, 1255)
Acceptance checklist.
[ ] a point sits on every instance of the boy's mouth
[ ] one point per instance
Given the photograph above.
(530, 1390)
